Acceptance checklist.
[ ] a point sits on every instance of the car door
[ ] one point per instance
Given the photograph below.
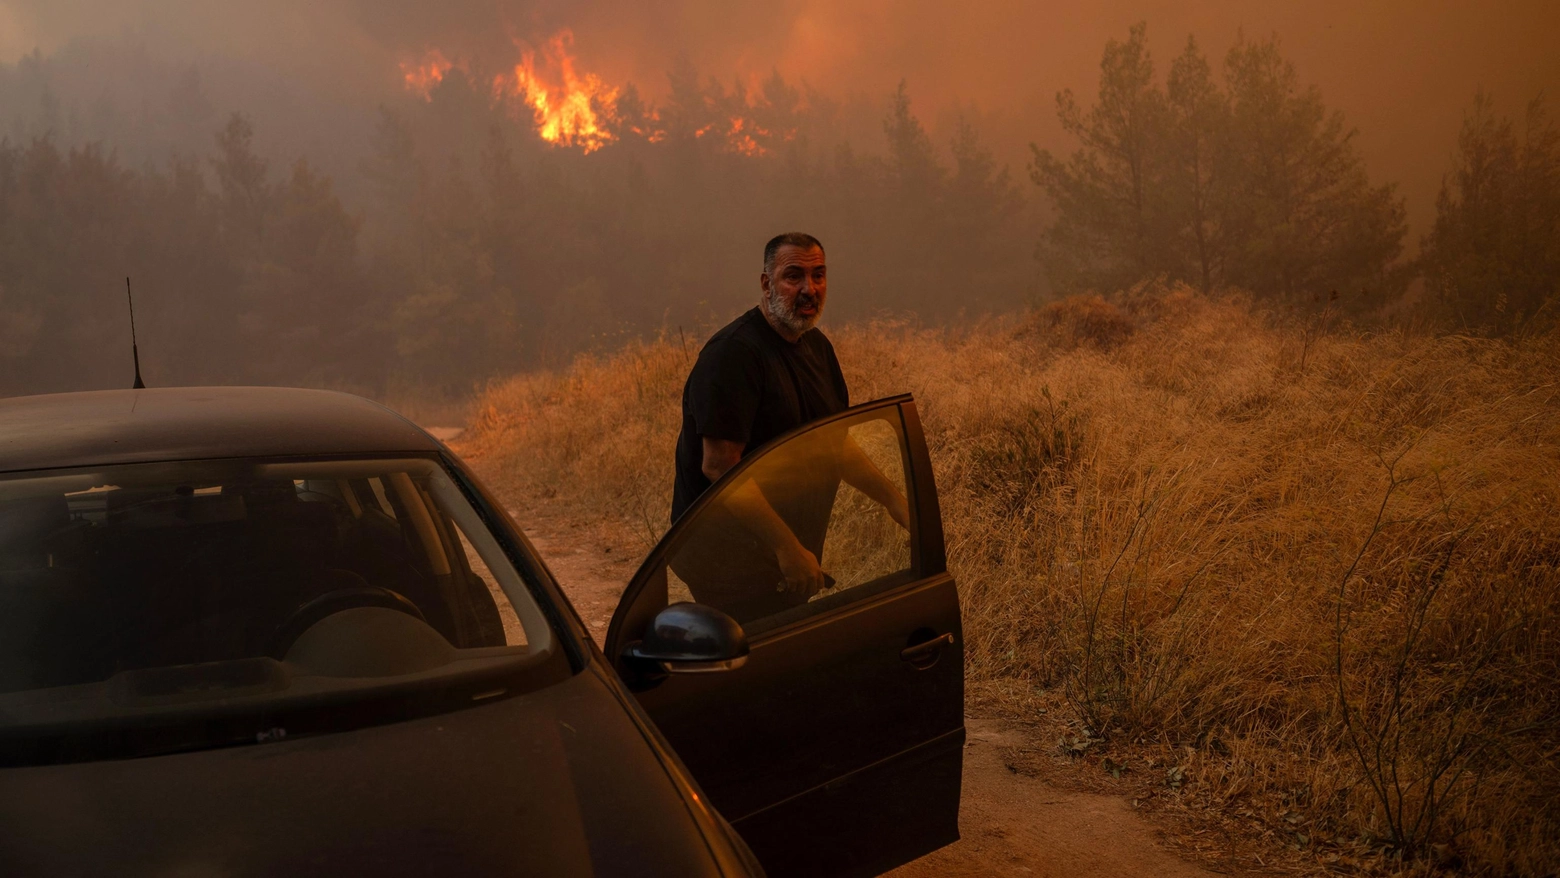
(836, 747)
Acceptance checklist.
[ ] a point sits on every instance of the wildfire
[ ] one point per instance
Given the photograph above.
(573, 109)
(741, 137)
(421, 78)
(568, 106)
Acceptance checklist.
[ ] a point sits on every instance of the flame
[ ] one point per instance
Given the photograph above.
(568, 107)
(743, 141)
(422, 78)
(653, 135)
(741, 136)
(571, 109)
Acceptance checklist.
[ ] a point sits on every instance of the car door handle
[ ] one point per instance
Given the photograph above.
(920, 653)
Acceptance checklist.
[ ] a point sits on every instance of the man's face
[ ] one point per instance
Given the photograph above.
(794, 291)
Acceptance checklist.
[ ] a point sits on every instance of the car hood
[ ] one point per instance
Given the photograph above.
(559, 781)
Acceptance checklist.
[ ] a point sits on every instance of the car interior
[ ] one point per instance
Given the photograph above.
(158, 566)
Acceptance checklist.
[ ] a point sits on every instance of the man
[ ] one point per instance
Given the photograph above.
(761, 376)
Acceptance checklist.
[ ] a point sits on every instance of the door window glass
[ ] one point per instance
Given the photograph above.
(816, 522)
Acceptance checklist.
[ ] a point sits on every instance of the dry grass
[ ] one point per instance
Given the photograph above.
(1310, 575)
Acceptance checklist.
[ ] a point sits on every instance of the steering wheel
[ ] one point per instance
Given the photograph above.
(332, 602)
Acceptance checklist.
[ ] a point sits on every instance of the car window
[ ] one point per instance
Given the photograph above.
(838, 492)
(321, 577)
(513, 628)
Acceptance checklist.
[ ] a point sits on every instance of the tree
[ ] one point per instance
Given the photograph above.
(294, 250)
(1492, 260)
(1301, 214)
(912, 185)
(394, 169)
(912, 164)
(1196, 116)
(312, 252)
(1106, 228)
(241, 175)
(689, 110)
(982, 211)
(1255, 184)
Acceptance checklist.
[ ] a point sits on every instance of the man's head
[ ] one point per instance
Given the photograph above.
(795, 283)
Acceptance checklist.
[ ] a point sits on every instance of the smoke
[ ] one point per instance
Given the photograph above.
(1400, 70)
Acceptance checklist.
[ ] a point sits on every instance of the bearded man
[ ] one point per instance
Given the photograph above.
(762, 375)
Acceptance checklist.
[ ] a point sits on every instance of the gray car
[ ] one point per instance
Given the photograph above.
(261, 631)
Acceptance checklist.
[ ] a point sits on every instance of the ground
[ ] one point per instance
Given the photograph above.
(1012, 824)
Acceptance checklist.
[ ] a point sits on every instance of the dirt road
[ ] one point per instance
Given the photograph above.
(1010, 824)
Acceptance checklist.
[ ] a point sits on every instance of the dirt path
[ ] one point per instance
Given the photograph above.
(585, 562)
(1011, 824)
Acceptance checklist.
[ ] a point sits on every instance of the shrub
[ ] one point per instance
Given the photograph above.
(1087, 319)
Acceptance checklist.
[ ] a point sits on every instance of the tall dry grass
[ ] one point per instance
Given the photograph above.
(1314, 570)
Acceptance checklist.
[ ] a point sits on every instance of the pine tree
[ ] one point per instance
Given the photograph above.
(1492, 261)
(1107, 228)
(1197, 115)
(1253, 184)
(1301, 215)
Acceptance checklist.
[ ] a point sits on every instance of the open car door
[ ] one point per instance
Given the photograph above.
(835, 746)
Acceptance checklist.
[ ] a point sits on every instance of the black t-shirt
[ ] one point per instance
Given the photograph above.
(751, 385)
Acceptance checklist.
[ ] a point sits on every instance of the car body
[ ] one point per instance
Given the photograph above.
(258, 631)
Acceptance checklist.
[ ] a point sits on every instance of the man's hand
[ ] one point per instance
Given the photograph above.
(803, 576)
(899, 508)
(745, 500)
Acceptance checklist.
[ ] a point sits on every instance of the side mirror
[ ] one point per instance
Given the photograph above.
(690, 638)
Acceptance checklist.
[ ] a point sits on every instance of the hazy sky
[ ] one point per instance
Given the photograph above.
(1402, 71)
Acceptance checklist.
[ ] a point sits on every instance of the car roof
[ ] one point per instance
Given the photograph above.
(100, 427)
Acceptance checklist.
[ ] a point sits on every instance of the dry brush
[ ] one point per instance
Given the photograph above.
(1315, 572)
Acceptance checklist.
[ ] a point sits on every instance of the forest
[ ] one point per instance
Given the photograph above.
(469, 247)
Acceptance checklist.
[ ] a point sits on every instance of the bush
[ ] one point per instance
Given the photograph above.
(1087, 319)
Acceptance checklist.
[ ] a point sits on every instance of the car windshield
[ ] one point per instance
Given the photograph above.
(165, 596)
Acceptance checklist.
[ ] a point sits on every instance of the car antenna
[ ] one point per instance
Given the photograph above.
(135, 352)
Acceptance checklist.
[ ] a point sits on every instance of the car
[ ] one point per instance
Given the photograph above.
(269, 631)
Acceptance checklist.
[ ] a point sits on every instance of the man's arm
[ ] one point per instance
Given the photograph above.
(747, 502)
(861, 473)
(720, 455)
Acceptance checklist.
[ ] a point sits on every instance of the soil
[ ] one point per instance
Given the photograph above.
(1011, 822)
(590, 564)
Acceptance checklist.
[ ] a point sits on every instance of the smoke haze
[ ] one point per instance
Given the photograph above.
(1402, 71)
